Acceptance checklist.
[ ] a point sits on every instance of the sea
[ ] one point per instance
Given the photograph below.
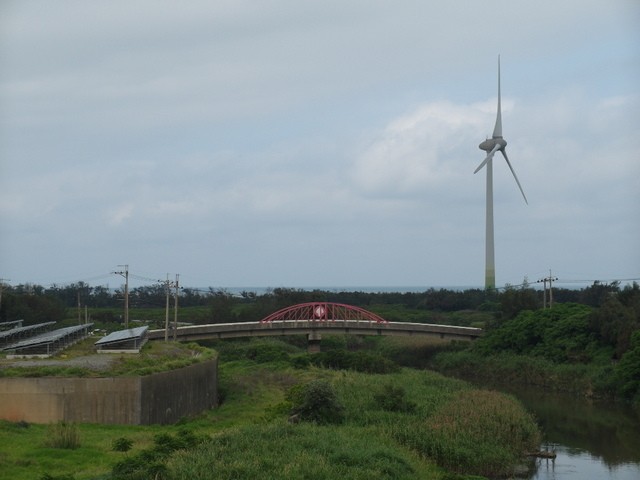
(380, 289)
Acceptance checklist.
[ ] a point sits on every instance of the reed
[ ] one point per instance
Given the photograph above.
(282, 451)
(62, 435)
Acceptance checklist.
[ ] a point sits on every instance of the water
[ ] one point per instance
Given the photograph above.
(593, 440)
(573, 464)
(374, 289)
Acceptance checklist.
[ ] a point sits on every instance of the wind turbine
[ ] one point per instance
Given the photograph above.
(491, 146)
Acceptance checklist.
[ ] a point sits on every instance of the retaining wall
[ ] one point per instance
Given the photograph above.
(161, 398)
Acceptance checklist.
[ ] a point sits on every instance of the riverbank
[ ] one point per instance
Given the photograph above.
(583, 380)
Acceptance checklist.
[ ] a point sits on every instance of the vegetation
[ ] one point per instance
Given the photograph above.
(346, 424)
(571, 347)
(63, 435)
(350, 411)
(155, 357)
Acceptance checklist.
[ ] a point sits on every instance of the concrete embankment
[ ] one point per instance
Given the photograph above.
(161, 398)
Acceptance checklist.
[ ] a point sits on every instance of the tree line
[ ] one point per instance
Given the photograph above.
(35, 303)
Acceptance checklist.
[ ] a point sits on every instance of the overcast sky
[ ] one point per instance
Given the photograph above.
(317, 143)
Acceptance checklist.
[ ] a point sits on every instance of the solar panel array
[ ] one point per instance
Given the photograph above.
(7, 337)
(12, 324)
(50, 342)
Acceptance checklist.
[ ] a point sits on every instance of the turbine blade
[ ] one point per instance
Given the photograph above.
(504, 153)
(497, 131)
(484, 162)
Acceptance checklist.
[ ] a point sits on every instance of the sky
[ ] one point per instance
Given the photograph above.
(281, 143)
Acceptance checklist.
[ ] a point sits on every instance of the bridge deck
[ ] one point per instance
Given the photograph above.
(301, 327)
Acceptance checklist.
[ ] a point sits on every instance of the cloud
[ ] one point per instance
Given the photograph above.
(338, 136)
(116, 215)
(425, 149)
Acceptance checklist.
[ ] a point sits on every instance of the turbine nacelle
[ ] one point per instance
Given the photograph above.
(490, 143)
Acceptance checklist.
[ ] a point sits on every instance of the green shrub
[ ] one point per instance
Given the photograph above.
(151, 462)
(628, 369)
(62, 435)
(316, 402)
(394, 399)
(121, 444)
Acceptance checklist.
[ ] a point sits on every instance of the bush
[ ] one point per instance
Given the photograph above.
(151, 462)
(122, 444)
(394, 399)
(628, 369)
(316, 402)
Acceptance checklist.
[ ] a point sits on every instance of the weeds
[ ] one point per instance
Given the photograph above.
(62, 435)
(394, 399)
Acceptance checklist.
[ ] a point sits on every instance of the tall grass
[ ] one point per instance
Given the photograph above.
(62, 435)
(478, 432)
(588, 380)
(282, 451)
(464, 430)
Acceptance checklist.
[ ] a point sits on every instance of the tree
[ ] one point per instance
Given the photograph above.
(618, 317)
(221, 307)
(515, 301)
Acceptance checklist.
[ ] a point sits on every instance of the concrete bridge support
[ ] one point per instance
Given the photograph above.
(313, 345)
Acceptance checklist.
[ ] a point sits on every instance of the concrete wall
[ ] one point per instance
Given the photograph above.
(161, 398)
(167, 396)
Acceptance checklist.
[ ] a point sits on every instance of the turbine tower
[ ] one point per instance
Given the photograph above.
(491, 146)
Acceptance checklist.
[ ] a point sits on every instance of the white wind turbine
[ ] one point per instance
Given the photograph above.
(491, 146)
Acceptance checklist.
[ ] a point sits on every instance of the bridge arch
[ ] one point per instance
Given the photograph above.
(323, 312)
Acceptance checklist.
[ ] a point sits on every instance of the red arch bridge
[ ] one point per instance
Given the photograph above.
(313, 319)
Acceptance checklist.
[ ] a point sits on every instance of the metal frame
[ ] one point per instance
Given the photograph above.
(323, 312)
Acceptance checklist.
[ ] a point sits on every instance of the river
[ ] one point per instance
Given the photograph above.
(593, 440)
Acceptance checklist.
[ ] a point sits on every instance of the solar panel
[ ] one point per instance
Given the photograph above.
(123, 336)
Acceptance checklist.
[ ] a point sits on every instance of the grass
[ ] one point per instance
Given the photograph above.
(62, 435)
(303, 451)
(155, 357)
(250, 437)
(585, 380)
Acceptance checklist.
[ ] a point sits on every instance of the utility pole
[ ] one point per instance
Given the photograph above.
(167, 284)
(175, 311)
(125, 274)
(549, 279)
(2, 280)
(79, 311)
